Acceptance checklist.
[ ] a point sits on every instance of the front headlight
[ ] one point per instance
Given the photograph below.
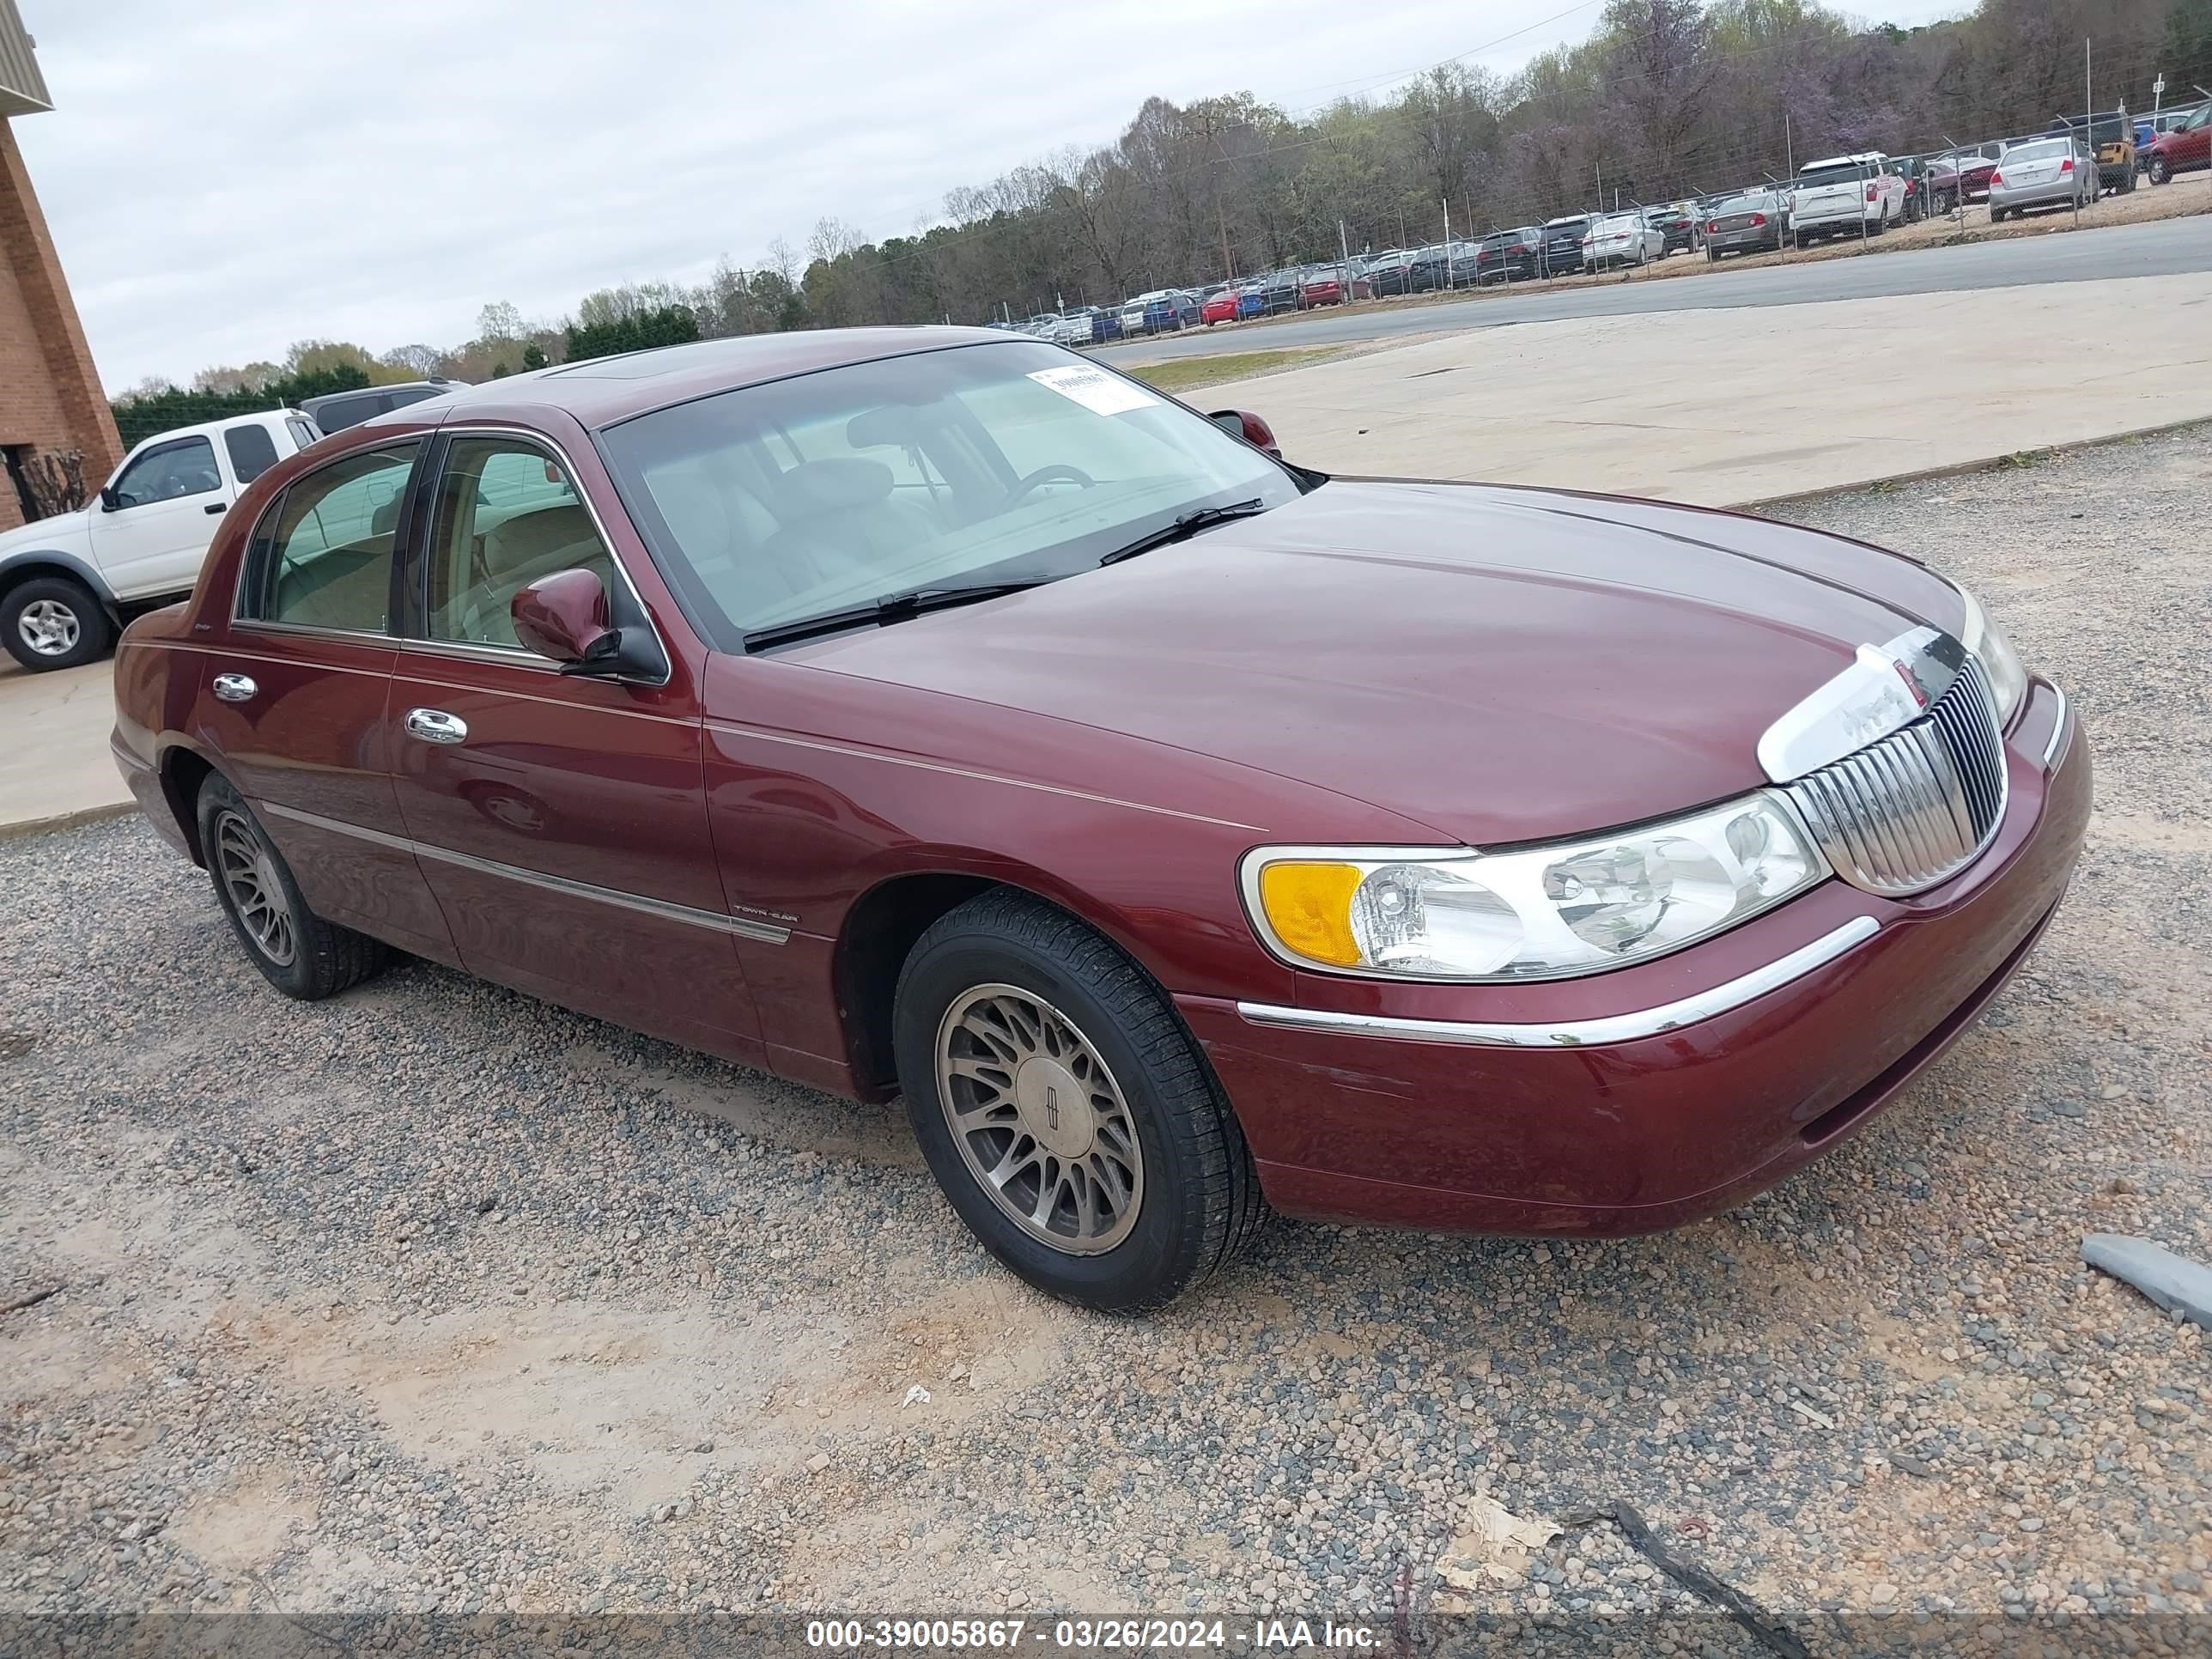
(1986, 641)
(1577, 907)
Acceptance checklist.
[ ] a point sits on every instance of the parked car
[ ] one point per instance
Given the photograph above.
(1561, 254)
(1676, 221)
(1441, 266)
(1333, 285)
(2042, 172)
(1510, 256)
(1622, 238)
(1756, 221)
(2113, 136)
(1171, 311)
(1252, 299)
(729, 727)
(1132, 316)
(2182, 148)
(1392, 273)
(67, 582)
(1845, 195)
(334, 411)
(1281, 291)
(1220, 309)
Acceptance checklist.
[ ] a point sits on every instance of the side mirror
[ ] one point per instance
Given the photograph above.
(564, 616)
(109, 501)
(1243, 423)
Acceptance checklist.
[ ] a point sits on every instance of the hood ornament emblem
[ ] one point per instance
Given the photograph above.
(1885, 687)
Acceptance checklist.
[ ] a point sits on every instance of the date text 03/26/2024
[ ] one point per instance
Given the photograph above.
(1088, 1635)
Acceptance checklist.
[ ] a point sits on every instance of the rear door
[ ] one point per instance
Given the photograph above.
(561, 821)
(297, 684)
(151, 527)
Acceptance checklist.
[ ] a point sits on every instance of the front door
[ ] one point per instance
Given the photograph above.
(151, 527)
(561, 821)
(296, 693)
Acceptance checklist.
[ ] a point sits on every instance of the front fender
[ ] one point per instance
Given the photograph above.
(54, 555)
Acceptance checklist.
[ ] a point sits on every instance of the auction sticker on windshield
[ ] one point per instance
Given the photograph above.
(1096, 390)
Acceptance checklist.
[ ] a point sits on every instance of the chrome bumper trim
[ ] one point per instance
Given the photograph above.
(1582, 1033)
(638, 902)
(2062, 734)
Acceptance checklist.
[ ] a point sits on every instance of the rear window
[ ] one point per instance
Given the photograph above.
(2047, 152)
(336, 416)
(253, 451)
(1835, 175)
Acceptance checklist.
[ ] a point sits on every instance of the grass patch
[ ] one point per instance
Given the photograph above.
(1182, 374)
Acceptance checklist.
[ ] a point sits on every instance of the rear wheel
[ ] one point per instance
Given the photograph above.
(53, 622)
(1065, 1111)
(297, 952)
(2160, 169)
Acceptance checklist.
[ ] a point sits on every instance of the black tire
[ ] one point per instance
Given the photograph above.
(42, 606)
(1197, 1198)
(2160, 172)
(324, 958)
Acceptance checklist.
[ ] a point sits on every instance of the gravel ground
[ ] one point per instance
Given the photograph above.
(435, 1297)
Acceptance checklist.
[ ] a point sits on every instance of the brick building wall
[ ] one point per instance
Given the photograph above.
(50, 395)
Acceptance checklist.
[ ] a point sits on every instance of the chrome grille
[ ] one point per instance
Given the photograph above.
(1907, 811)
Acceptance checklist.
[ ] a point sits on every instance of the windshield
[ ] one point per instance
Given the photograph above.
(1001, 462)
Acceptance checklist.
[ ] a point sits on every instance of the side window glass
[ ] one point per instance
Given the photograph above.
(253, 451)
(165, 474)
(507, 514)
(322, 556)
(303, 433)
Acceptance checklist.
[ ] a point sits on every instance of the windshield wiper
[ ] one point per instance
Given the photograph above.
(1198, 519)
(894, 608)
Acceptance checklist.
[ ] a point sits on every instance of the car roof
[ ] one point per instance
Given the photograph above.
(268, 417)
(598, 391)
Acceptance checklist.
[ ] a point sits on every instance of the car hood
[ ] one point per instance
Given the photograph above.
(65, 532)
(1498, 664)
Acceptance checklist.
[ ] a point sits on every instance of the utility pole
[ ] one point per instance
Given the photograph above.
(2088, 124)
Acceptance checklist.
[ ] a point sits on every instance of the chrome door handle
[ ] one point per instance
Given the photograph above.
(434, 725)
(233, 688)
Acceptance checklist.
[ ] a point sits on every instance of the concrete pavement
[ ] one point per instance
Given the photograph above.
(54, 763)
(1727, 407)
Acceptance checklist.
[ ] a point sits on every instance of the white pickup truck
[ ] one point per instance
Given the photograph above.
(65, 581)
(1846, 195)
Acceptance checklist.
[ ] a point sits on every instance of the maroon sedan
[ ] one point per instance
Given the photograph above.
(935, 711)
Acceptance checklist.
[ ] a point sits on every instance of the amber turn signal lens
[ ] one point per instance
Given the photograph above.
(1309, 907)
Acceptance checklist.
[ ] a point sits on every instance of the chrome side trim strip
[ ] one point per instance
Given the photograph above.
(2062, 734)
(742, 928)
(1581, 1033)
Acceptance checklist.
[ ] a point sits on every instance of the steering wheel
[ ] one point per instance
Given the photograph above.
(1056, 473)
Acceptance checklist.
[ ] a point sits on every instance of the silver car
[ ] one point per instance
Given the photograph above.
(2042, 172)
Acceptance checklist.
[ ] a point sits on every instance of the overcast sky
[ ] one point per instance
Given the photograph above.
(225, 179)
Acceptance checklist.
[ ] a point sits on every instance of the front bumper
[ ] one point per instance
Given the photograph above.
(1641, 1099)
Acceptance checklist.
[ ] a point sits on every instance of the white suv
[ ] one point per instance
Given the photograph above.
(65, 580)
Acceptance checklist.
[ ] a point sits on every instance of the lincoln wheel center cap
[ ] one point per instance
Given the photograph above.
(1055, 1108)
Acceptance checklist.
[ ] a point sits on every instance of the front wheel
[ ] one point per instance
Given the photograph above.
(2160, 170)
(297, 952)
(53, 622)
(1065, 1111)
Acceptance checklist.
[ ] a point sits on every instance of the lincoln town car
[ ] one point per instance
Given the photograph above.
(1185, 834)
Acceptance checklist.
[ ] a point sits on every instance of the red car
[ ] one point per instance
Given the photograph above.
(936, 711)
(2181, 148)
(1220, 308)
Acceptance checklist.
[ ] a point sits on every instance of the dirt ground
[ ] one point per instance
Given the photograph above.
(436, 1299)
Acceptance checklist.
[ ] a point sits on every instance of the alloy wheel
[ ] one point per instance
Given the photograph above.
(250, 880)
(49, 628)
(1040, 1121)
